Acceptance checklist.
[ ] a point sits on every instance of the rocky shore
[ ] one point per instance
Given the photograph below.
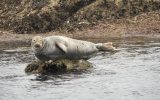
(145, 25)
(39, 16)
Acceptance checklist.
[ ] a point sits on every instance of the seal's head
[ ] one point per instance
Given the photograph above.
(37, 43)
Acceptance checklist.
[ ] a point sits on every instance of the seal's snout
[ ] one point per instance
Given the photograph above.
(37, 46)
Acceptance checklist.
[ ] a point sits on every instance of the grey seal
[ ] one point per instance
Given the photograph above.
(61, 47)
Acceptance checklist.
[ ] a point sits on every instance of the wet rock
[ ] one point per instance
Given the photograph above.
(57, 67)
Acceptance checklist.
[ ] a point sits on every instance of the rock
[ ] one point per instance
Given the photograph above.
(57, 67)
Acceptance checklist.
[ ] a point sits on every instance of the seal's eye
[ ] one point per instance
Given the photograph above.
(34, 40)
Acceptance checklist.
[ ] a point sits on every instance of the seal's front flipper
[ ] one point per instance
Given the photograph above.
(61, 47)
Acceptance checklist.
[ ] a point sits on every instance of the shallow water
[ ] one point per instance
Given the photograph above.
(133, 73)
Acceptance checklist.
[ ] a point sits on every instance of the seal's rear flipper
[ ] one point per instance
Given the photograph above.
(105, 46)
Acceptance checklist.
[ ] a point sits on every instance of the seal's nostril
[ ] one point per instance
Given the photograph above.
(37, 45)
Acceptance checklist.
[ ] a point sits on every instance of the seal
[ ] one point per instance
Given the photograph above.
(61, 47)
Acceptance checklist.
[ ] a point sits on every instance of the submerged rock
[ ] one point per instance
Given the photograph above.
(57, 67)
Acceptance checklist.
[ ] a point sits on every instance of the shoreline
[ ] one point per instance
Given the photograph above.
(146, 25)
(12, 40)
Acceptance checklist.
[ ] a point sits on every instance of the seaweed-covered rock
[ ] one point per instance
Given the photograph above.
(109, 10)
(57, 67)
(30, 16)
(33, 16)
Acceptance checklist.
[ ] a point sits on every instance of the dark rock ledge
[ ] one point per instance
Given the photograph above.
(57, 67)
